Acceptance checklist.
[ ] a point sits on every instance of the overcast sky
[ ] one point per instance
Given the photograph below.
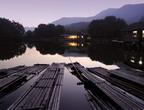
(34, 12)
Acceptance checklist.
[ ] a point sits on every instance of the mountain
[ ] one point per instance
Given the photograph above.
(80, 26)
(130, 13)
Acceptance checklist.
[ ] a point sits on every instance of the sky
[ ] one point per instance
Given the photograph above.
(33, 12)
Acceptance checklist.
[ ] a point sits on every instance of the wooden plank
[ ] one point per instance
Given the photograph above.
(120, 97)
(121, 82)
(136, 79)
(43, 91)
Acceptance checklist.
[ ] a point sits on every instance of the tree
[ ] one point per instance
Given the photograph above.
(60, 29)
(10, 29)
(49, 30)
(108, 27)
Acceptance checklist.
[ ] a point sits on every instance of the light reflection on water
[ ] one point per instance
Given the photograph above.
(72, 44)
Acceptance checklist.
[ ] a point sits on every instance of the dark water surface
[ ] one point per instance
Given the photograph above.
(73, 95)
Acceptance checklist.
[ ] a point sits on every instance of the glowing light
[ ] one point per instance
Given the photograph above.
(143, 33)
(140, 62)
(72, 37)
(135, 33)
(72, 44)
(132, 59)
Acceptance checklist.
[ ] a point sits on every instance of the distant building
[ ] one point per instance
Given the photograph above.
(134, 33)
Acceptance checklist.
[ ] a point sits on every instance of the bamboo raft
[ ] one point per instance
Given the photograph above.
(105, 89)
(44, 94)
(120, 97)
(130, 86)
(7, 72)
(133, 78)
(19, 76)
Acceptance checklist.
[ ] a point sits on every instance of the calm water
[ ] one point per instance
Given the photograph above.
(42, 53)
(90, 55)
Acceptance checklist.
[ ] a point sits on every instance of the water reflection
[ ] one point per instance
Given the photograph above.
(108, 54)
(72, 44)
(113, 54)
(11, 49)
(49, 47)
(135, 59)
(94, 95)
(72, 37)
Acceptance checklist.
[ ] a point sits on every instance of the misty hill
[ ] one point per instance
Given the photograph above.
(29, 28)
(130, 13)
(81, 26)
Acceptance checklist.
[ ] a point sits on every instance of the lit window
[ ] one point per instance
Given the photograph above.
(135, 33)
(143, 33)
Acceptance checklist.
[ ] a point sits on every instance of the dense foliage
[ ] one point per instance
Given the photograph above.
(49, 30)
(108, 27)
(10, 29)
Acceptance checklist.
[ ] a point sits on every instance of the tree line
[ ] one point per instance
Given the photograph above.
(48, 30)
(10, 29)
(109, 27)
(14, 30)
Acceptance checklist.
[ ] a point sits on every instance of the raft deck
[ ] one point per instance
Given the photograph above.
(44, 94)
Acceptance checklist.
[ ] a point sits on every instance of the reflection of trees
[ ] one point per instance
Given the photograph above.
(49, 47)
(108, 54)
(11, 49)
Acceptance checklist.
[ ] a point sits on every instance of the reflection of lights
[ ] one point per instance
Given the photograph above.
(72, 37)
(82, 45)
(72, 44)
(132, 59)
(140, 62)
(82, 37)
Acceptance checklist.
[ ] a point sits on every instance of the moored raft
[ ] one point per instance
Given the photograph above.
(44, 94)
(120, 97)
(19, 76)
(118, 79)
